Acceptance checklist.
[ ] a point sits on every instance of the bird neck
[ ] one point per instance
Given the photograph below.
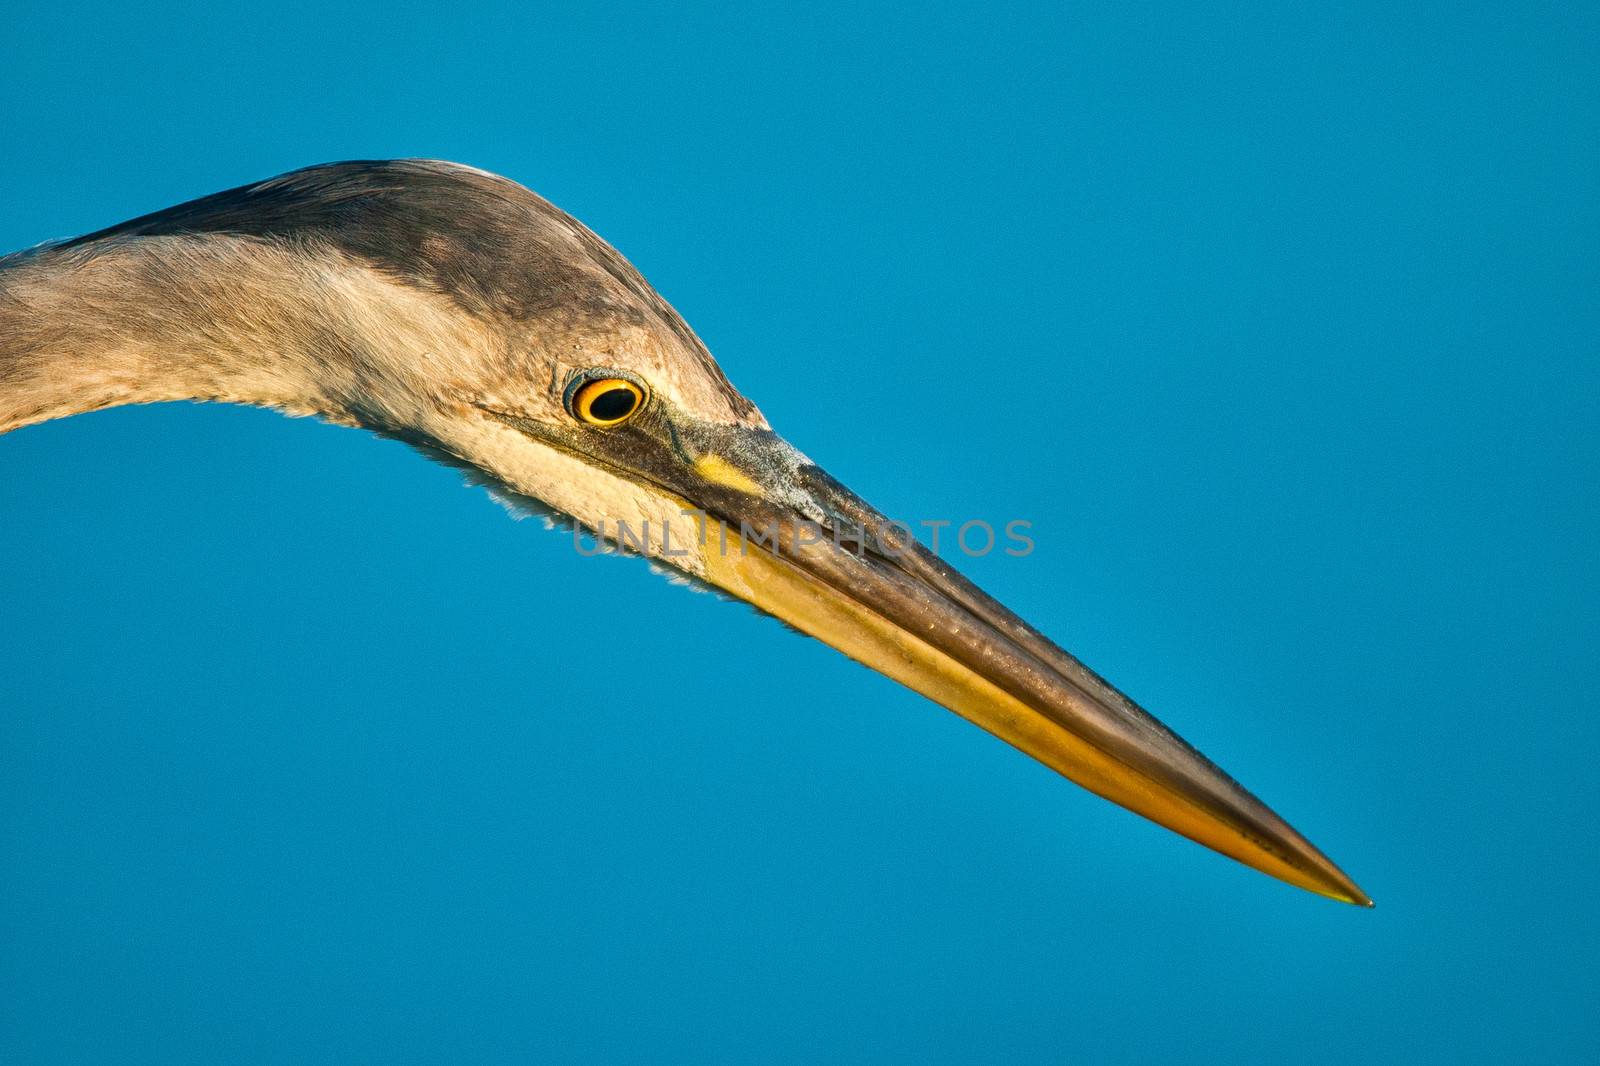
(149, 319)
(136, 321)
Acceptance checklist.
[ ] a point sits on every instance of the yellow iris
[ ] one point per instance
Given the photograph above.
(607, 401)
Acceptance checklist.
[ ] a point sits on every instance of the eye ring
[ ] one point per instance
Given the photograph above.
(606, 401)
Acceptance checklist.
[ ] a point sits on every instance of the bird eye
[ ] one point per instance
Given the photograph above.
(606, 401)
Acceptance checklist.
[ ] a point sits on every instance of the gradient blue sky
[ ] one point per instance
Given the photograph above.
(301, 758)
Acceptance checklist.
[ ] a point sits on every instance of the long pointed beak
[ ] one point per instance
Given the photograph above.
(877, 596)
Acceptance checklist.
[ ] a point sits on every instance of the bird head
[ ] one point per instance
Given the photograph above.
(471, 317)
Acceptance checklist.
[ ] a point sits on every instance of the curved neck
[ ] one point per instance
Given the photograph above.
(129, 322)
(147, 319)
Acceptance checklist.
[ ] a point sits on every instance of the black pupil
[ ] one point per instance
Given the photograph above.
(613, 404)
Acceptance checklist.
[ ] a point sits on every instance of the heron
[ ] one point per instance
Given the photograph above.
(463, 314)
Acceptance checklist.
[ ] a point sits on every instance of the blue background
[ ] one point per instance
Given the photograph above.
(299, 757)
